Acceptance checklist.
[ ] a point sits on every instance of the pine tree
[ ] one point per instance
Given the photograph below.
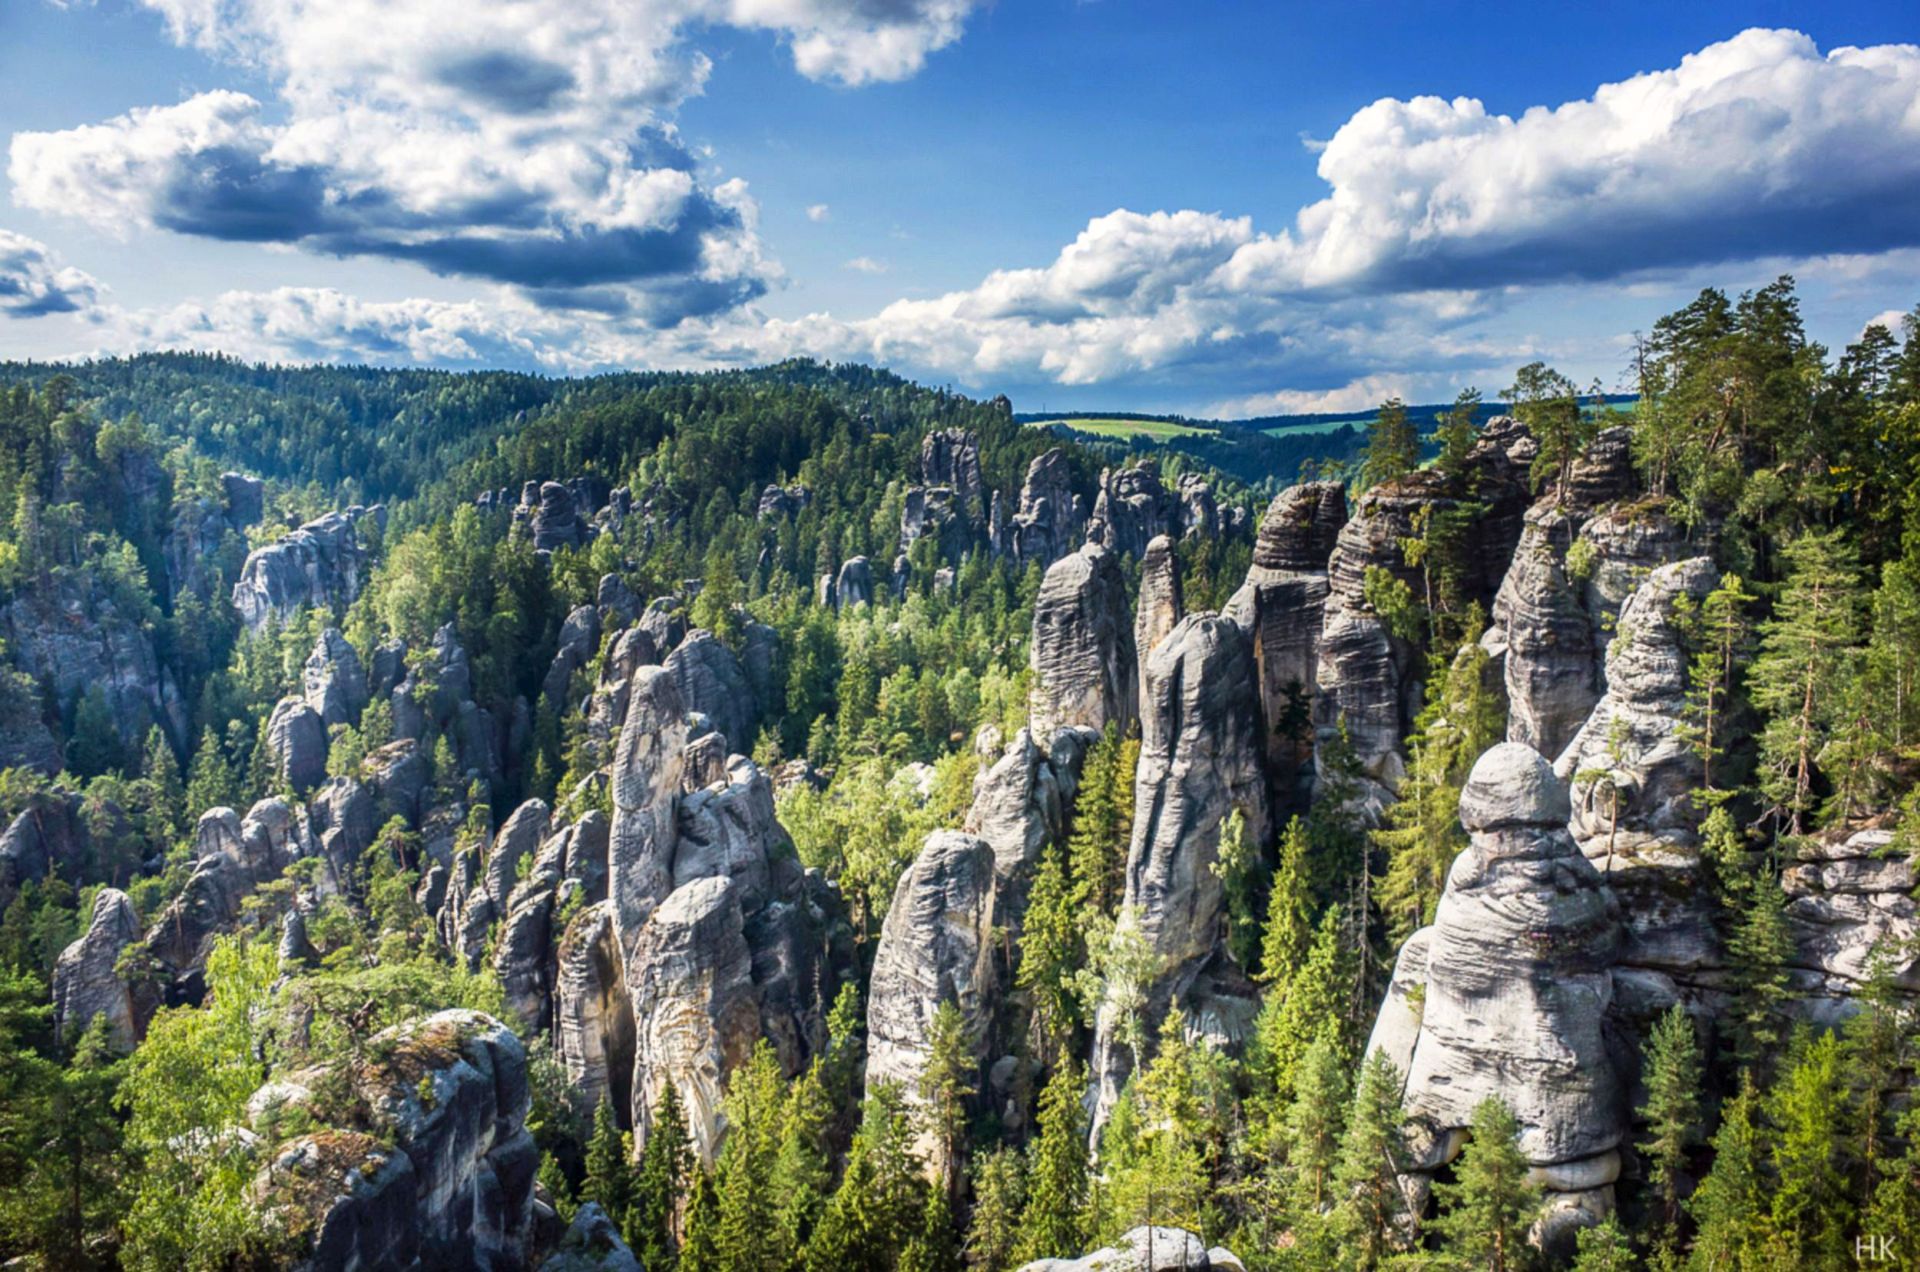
(1289, 927)
(1729, 1207)
(936, 1247)
(1102, 821)
(1314, 1125)
(1050, 1224)
(1894, 1211)
(94, 746)
(999, 1196)
(1758, 950)
(1393, 445)
(1878, 1042)
(1487, 1211)
(881, 1202)
(1811, 1210)
(946, 1084)
(1671, 1072)
(1805, 661)
(1719, 634)
(210, 778)
(162, 772)
(1459, 428)
(1604, 1248)
(609, 1179)
(1366, 1176)
(700, 1249)
(1316, 994)
(1549, 405)
(665, 1162)
(1052, 950)
(803, 1171)
(747, 1234)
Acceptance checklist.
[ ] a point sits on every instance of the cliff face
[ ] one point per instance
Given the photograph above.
(1082, 652)
(321, 564)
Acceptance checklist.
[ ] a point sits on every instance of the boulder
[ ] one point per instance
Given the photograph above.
(1147, 1250)
(592, 1244)
(854, 585)
(1082, 652)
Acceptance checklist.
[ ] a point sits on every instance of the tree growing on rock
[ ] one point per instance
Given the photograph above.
(1488, 1209)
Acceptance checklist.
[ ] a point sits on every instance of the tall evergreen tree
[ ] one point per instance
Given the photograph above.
(947, 1082)
(803, 1171)
(700, 1251)
(1288, 933)
(1051, 1223)
(1670, 1070)
(665, 1163)
(1488, 1209)
(1393, 445)
(1729, 1207)
(1366, 1176)
(609, 1169)
(999, 1196)
(1811, 1209)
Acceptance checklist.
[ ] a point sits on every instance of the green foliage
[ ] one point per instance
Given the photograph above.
(1671, 1073)
(1393, 446)
(1486, 1211)
(999, 1195)
(1051, 1223)
(1366, 1178)
(660, 1184)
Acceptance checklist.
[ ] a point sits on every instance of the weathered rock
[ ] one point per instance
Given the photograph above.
(1147, 1250)
(1132, 507)
(322, 564)
(936, 947)
(1047, 524)
(46, 837)
(1082, 651)
(517, 840)
(665, 620)
(297, 740)
(616, 603)
(1518, 982)
(555, 522)
(1545, 636)
(592, 1244)
(579, 638)
(1200, 762)
(1850, 894)
(397, 775)
(1199, 515)
(1635, 774)
(1160, 605)
(86, 982)
(1282, 607)
(246, 499)
(593, 1015)
(713, 683)
(783, 501)
(647, 769)
(854, 585)
(333, 680)
(696, 1010)
(448, 1093)
(1021, 802)
(950, 457)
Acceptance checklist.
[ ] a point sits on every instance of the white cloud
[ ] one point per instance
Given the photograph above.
(866, 265)
(818, 212)
(527, 142)
(34, 284)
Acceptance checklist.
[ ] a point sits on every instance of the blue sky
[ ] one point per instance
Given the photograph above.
(1223, 208)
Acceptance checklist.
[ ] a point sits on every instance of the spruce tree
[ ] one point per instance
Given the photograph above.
(1729, 1206)
(1050, 1224)
(1051, 951)
(1317, 993)
(1670, 1070)
(1805, 661)
(1289, 928)
(665, 1161)
(1393, 445)
(210, 778)
(999, 1196)
(1366, 1176)
(1811, 1209)
(946, 1084)
(1488, 1209)
(936, 1247)
(1893, 1214)
(609, 1169)
(1604, 1247)
(1758, 950)
(747, 1235)
(700, 1249)
(803, 1171)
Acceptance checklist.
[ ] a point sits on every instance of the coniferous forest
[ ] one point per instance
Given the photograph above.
(800, 819)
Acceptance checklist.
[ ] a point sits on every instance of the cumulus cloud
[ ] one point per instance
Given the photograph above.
(34, 284)
(818, 212)
(866, 265)
(527, 142)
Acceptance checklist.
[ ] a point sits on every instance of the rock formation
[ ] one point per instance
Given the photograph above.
(321, 564)
(936, 947)
(1848, 898)
(1147, 1250)
(1517, 980)
(1082, 651)
(438, 1171)
(1049, 518)
(1282, 607)
(1132, 507)
(1200, 761)
(713, 683)
(86, 980)
(297, 740)
(854, 584)
(333, 681)
(1160, 605)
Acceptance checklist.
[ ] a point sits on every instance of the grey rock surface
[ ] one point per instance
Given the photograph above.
(297, 740)
(86, 983)
(1082, 653)
(333, 679)
(319, 565)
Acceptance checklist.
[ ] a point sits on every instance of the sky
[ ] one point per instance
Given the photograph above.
(1221, 209)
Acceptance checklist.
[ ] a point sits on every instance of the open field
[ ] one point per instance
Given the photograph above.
(1155, 430)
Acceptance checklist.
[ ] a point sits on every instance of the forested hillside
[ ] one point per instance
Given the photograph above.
(799, 819)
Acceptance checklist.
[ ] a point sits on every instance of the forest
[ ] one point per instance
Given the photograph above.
(364, 734)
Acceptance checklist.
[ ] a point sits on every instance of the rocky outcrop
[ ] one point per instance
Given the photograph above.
(936, 947)
(48, 836)
(1147, 1250)
(591, 1244)
(1082, 652)
(593, 1015)
(333, 680)
(437, 1169)
(297, 741)
(579, 640)
(1132, 507)
(322, 565)
(783, 501)
(1282, 607)
(555, 521)
(1050, 516)
(232, 857)
(1850, 899)
(713, 683)
(87, 982)
(854, 584)
(1160, 605)
(647, 769)
(950, 458)
(1021, 801)
(437, 697)
(1200, 762)
(1635, 774)
(1517, 986)
(73, 636)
